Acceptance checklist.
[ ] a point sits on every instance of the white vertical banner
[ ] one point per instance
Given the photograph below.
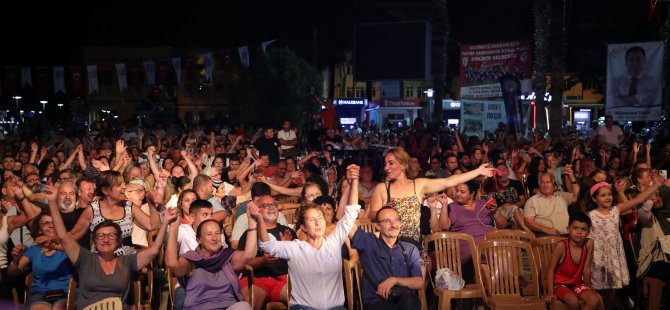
(244, 56)
(150, 71)
(264, 44)
(176, 63)
(121, 76)
(209, 65)
(59, 80)
(635, 81)
(92, 76)
(26, 77)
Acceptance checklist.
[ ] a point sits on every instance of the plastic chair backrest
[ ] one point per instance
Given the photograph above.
(290, 216)
(505, 267)
(367, 225)
(514, 234)
(71, 294)
(352, 268)
(447, 251)
(543, 247)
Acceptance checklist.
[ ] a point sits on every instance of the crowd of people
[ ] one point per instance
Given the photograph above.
(99, 206)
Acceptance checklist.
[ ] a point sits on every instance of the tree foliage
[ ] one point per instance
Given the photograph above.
(275, 88)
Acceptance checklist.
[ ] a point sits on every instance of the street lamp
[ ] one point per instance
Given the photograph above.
(429, 92)
(17, 106)
(44, 104)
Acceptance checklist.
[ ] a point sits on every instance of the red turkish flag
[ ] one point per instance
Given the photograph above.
(76, 81)
(9, 81)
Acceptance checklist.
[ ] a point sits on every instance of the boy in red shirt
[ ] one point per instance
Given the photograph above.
(569, 274)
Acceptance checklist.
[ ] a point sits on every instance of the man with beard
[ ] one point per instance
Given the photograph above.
(511, 198)
(270, 272)
(32, 181)
(67, 204)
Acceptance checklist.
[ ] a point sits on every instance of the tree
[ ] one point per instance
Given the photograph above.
(542, 15)
(275, 88)
(440, 37)
(557, 66)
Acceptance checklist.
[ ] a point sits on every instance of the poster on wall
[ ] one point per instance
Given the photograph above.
(482, 66)
(634, 79)
(480, 116)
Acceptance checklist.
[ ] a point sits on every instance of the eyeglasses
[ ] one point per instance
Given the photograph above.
(273, 205)
(135, 190)
(110, 236)
(389, 221)
(47, 224)
(312, 196)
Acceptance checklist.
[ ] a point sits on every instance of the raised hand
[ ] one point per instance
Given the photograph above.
(51, 192)
(120, 146)
(254, 212)
(17, 252)
(485, 170)
(636, 147)
(285, 235)
(100, 165)
(620, 185)
(170, 215)
(353, 172)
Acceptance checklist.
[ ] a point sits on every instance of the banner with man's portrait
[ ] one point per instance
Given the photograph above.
(634, 79)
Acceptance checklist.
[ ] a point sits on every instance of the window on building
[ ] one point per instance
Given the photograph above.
(374, 91)
(420, 92)
(360, 92)
(409, 92)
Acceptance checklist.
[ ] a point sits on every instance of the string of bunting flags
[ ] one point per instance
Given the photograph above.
(44, 81)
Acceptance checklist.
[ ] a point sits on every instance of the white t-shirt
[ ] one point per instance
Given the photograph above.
(288, 136)
(611, 137)
(172, 203)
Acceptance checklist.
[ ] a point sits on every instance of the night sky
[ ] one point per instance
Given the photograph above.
(52, 34)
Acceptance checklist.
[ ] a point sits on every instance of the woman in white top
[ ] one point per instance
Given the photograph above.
(315, 265)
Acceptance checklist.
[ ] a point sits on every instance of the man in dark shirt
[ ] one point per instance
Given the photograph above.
(388, 262)
(268, 144)
(511, 198)
(270, 273)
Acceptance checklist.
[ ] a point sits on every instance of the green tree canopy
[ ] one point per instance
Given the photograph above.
(276, 88)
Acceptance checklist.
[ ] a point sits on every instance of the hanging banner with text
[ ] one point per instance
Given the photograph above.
(634, 77)
(482, 66)
(479, 116)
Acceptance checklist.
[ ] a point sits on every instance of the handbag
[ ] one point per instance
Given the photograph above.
(665, 244)
(54, 295)
(105, 304)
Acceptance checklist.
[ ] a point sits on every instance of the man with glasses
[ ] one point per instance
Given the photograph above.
(392, 267)
(269, 272)
(258, 190)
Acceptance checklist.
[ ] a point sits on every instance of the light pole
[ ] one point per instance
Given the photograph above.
(429, 92)
(18, 115)
(44, 104)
